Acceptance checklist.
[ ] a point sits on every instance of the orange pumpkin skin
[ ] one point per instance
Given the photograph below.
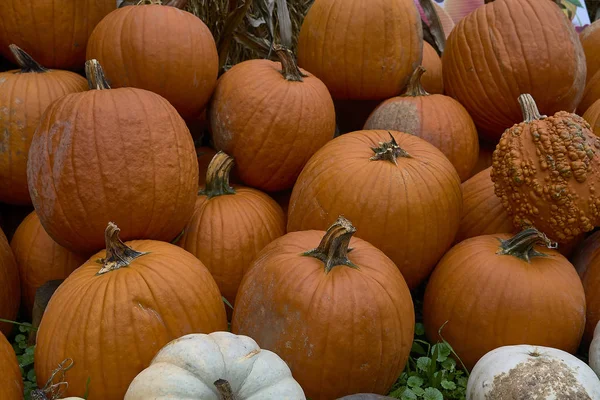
(432, 79)
(129, 155)
(24, 96)
(11, 382)
(40, 259)
(492, 300)
(169, 52)
(56, 34)
(319, 322)
(272, 140)
(587, 262)
(591, 94)
(508, 37)
(128, 314)
(592, 116)
(369, 57)
(417, 198)
(10, 295)
(590, 40)
(439, 119)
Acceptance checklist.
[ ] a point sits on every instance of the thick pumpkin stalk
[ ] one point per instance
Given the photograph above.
(95, 75)
(334, 247)
(522, 244)
(224, 389)
(25, 61)
(389, 151)
(529, 108)
(290, 70)
(217, 176)
(415, 88)
(118, 254)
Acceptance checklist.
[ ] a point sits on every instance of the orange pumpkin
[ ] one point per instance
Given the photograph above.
(121, 154)
(158, 48)
(592, 116)
(9, 282)
(271, 120)
(40, 259)
(358, 49)
(25, 95)
(510, 38)
(398, 192)
(591, 94)
(54, 32)
(439, 119)
(230, 225)
(587, 262)
(497, 290)
(342, 320)
(11, 382)
(590, 40)
(139, 296)
(484, 160)
(432, 79)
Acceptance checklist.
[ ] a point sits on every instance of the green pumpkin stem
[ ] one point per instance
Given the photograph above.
(522, 244)
(334, 247)
(224, 389)
(389, 151)
(25, 61)
(118, 254)
(95, 75)
(415, 88)
(290, 70)
(529, 108)
(217, 176)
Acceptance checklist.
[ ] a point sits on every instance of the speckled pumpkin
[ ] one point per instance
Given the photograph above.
(546, 170)
(592, 116)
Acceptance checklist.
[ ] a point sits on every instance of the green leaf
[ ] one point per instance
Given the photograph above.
(419, 329)
(443, 351)
(415, 381)
(462, 381)
(423, 363)
(408, 395)
(448, 385)
(576, 3)
(449, 364)
(31, 375)
(418, 391)
(432, 394)
(20, 338)
(418, 348)
(226, 302)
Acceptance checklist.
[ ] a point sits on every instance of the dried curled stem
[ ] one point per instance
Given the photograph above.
(118, 254)
(334, 247)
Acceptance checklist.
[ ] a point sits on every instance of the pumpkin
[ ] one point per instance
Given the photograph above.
(546, 170)
(40, 259)
(194, 365)
(25, 95)
(432, 79)
(9, 282)
(123, 154)
(531, 372)
(139, 296)
(590, 41)
(594, 351)
(501, 50)
(399, 191)
(54, 32)
(271, 140)
(230, 225)
(11, 382)
(515, 291)
(591, 94)
(592, 116)
(159, 48)
(439, 119)
(342, 320)
(353, 55)
(587, 262)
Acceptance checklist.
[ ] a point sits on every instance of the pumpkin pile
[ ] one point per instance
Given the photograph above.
(175, 226)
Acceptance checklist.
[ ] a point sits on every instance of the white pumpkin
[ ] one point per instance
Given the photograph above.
(188, 367)
(531, 372)
(594, 353)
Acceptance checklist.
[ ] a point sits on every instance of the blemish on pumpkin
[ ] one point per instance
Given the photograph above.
(151, 311)
(252, 353)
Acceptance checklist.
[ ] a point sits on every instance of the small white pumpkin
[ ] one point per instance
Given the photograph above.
(191, 366)
(594, 353)
(531, 372)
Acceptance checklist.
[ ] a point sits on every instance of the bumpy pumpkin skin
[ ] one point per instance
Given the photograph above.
(56, 34)
(158, 48)
(24, 96)
(509, 300)
(500, 50)
(269, 125)
(395, 208)
(358, 48)
(78, 184)
(10, 295)
(432, 79)
(590, 40)
(40, 259)
(11, 382)
(341, 332)
(587, 261)
(125, 317)
(592, 116)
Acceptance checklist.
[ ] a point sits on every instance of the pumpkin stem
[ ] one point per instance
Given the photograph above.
(389, 151)
(290, 70)
(529, 108)
(522, 244)
(415, 88)
(25, 61)
(95, 75)
(333, 249)
(118, 254)
(224, 389)
(217, 176)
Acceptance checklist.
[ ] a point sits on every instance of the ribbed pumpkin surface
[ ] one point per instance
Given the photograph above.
(11, 382)
(10, 295)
